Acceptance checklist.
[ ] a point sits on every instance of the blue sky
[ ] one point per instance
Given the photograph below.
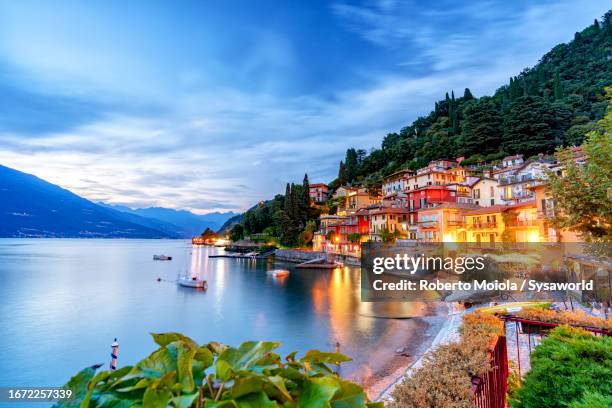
(214, 105)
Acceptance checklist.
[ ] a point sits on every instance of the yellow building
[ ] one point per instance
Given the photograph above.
(443, 223)
(501, 223)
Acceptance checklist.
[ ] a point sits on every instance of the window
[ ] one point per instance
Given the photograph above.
(477, 193)
(492, 201)
(492, 191)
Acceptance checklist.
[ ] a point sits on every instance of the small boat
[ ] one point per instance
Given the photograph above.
(192, 282)
(279, 273)
(162, 258)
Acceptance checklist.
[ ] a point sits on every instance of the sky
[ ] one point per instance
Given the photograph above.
(215, 105)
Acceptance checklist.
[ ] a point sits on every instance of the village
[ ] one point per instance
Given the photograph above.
(445, 202)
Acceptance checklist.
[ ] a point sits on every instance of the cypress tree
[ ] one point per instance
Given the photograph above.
(306, 192)
(341, 174)
(288, 203)
(467, 94)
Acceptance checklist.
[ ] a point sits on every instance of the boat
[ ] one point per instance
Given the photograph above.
(162, 258)
(192, 282)
(279, 273)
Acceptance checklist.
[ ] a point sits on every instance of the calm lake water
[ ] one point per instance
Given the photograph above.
(63, 301)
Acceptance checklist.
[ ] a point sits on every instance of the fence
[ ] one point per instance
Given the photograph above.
(491, 387)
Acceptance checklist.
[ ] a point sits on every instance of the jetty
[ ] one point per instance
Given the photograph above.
(319, 263)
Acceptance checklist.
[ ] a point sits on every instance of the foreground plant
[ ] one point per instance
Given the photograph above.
(182, 374)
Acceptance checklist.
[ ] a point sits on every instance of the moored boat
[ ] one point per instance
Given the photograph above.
(192, 282)
(279, 273)
(162, 258)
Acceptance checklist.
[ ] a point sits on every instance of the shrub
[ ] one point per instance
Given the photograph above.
(445, 378)
(577, 318)
(571, 366)
(180, 373)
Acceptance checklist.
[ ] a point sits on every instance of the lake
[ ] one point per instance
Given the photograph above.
(63, 301)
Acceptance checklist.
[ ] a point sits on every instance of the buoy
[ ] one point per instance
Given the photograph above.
(114, 354)
(159, 279)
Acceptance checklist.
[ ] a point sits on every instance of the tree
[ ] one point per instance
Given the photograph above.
(583, 193)
(342, 174)
(557, 87)
(237, 232)
(351, 165)
(306, 191)
(467, 94)
(481, 128)
(529, 126)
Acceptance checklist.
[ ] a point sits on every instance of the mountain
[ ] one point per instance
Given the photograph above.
(185, 223)
(229, 224)
(31, 207)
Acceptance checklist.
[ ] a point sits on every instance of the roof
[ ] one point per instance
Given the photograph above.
(318, 185)
(390, 210)
(498, 208)
(452, 205)
(398, 173)
(516, 156)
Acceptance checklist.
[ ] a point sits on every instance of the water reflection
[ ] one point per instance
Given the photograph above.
(57, 315)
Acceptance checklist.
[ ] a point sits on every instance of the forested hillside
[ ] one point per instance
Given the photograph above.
(554, 103)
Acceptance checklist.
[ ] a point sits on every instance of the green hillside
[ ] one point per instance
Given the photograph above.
(554, 103)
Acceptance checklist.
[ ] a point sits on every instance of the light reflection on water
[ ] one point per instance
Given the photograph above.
(63, 302)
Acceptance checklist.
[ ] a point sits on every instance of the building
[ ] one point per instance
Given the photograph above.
(545, 207)
(504, 223)
(485, 192)
(396, 182)
(516, 185)
(437, 173)
(358, 198)
(318, 192)
(391, 219)
(444, 222)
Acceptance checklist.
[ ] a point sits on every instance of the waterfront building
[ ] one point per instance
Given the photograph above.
(443, 222)
(504, 223)
(392, 219)
(486, 192)
(318, 192)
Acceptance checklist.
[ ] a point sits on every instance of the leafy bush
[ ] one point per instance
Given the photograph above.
(182, 374)
(577, 318)
(444, 379)
(569, 368)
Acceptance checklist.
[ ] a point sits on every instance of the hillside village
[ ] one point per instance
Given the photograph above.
(445, 202)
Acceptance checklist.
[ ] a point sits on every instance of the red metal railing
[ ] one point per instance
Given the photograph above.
(490, 388)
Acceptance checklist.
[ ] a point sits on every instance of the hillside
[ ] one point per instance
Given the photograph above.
(554, 103)
(31, 207)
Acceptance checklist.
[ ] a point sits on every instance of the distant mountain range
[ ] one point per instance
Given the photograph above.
(32, 207)
(185, 223)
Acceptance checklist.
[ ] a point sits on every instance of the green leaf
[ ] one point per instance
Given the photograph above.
(220, 404)
(350, 395)
(244, 386)
(184, 401)
(204, 356)
(379, 404)
(316, 356)
(248, 354)
(78, 386)
(224, 370)
(318, 392)
(163, 339)
(156, 395)
(216, 347)
(184, 361)
(91, 386)
(257, 400)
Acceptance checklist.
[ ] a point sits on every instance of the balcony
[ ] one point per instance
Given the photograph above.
(428, 224)
(516, 179)
(522, 223)
(455, 223)
(518, 195)
(483, 225)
